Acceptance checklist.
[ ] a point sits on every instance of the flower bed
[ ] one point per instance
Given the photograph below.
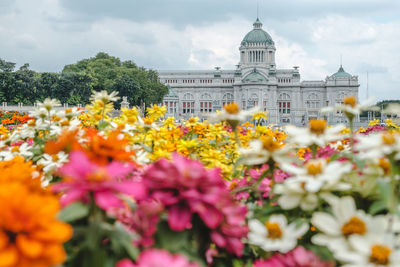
(82, 188)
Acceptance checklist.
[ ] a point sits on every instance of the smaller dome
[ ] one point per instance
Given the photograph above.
(341, 73)
(171, 93)
(257, 35)
(254, 77)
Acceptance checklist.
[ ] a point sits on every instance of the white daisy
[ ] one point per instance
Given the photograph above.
(345, 221)
(232, 114)
(52, 162)
(262, 150)
(48, 104)
(317, 133)
(370, 251)
(378, 145)
(350, 107)
(293, 195)
(317, 174)
(104, 96)
(275, 234)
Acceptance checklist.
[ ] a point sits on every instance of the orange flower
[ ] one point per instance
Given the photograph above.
(30, 234)
(103, 150)
(65, 142)
(19, 171)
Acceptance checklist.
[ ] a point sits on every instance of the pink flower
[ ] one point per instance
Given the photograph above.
(186, 188)
(158, 258)
(143, 221)
(82, 177)
(299, 257)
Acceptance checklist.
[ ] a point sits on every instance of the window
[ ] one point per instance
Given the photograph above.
(253, 101)
(171, 106)
(313, 101)
(227, 99)
(265, 104)
(285, 120)
(206, 103)
(188, 103)
(284, 103)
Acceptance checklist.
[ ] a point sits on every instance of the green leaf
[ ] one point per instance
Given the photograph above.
(376, 207)
(73, 212)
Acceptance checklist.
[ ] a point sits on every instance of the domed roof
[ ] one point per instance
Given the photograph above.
(257, 35)
(341, 73)
(171, 93)
(254, 77)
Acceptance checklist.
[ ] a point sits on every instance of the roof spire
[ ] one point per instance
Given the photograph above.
(257, 9)
(341, 59)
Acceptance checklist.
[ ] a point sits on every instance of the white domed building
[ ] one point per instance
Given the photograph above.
(257, 82)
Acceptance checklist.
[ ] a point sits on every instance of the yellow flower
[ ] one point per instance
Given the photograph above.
(373, 122)
(156, 111)
(258, 116)
(129, 115)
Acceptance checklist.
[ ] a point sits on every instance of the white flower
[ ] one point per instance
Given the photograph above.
(275, 234)
(48, 104)
(104, 96)
(317, 133)
(350, 106)
(345, 221)
(293, 195)
(52, 162)
(262, 150)
(370, 251)
(377, 145)
(317, 175)
(232, 113)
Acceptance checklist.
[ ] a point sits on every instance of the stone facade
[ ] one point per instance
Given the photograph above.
(257, 82)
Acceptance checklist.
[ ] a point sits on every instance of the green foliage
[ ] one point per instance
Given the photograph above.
(75, 83)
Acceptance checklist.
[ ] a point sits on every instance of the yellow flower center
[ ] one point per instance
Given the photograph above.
(354, 226)
(232, 108)
(98, 176)
(380, 255)
(350, 101)
(388, 139)
(274, 230)
(317, 126)
(269, 143)
(314, 167)
(384, 163)
(148, 120)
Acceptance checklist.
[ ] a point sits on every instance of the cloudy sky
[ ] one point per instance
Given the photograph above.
(202, 34)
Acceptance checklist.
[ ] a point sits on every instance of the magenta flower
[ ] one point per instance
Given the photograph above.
(158, 257)
(81, 177)
(186, 188)
(299, 257)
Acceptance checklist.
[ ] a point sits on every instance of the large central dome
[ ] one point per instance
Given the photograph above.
(257, 35)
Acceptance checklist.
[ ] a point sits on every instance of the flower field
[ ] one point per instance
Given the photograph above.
(82, 188)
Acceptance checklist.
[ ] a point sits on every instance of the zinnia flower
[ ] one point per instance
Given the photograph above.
(81, 177)
(30, 234)
(299, 257)
(158, 257)
(185, 187)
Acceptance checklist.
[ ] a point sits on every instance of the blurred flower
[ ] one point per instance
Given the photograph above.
(345, 221)
(232, 114)
(82, 177)
(49, 104)
(185, 187)
(298, 257)
(317, 133)
(104, 97)
(371, 250)
(276, 234)
(158, 257)
(156, 112)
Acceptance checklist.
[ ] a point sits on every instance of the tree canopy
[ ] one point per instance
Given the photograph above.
(75, 83)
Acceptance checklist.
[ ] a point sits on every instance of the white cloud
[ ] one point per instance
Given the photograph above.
(47, 36)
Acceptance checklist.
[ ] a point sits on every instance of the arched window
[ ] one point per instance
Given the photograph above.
(313, 101)
(253, 101)
(227, 99)
(205, 103)
(284, 103)
(188, 103)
